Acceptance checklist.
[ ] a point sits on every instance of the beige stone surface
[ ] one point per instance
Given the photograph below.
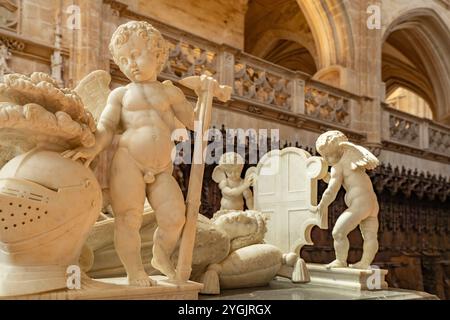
(118, 289)
(222, 20)
(411, 162)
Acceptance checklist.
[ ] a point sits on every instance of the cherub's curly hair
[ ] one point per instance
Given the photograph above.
(145, 30)
(329, 141)
(245, 217)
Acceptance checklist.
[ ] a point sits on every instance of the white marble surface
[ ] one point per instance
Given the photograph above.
(284, 289)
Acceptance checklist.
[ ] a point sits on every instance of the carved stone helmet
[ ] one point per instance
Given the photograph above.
(47, 206)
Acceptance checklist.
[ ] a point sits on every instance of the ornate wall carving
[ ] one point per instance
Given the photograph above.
(439, 140)
(9, 14)
(187, 59)
(404, 130)
(326, 106)
(261, 85)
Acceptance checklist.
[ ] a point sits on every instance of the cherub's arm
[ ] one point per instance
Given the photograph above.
(109, 119)
(182, 108)
(333, 187)
(232, 192)
(248, 195)
(107, 124)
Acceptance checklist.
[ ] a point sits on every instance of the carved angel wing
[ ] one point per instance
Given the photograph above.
(94, 90)
(359, 157)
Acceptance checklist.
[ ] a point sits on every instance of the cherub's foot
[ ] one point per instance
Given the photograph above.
(360, 265)
(141, 279)
(336, 264)
(164, 266)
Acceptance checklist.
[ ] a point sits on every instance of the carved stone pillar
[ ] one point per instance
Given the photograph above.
(225, 66)
(298, 96)
(86, 51)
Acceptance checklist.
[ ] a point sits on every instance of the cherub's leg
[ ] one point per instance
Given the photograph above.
(346, 222)
(369, 230)
(127, 198)
(167, 200)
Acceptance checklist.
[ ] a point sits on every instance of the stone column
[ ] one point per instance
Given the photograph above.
(225, 66)
(298, 96)
(368, 45)
(86, 40)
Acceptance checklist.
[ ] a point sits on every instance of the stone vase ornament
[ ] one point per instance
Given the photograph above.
(47, 203)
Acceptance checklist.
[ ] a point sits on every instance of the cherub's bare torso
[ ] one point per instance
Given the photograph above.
(232, 202)
(357, 185)
(147, 120)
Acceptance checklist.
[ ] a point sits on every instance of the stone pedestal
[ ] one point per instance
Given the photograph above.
(116, 289)
(345, 278)
(284, 289)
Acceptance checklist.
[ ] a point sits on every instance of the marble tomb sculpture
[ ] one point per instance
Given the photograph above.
(251, 262)
(137, 172)
(286, 190)
(40, 121)
(148, 112)
(229, 250)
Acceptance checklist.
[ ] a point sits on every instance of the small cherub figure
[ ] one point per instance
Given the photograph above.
(147, 111)
(234, 189)
(349, 163)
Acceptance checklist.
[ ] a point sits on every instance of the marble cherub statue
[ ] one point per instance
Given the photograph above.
(349, 163)
(234, 189)
(147, 111)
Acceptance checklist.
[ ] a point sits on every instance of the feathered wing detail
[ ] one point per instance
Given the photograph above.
(94, 91)
(359, 157)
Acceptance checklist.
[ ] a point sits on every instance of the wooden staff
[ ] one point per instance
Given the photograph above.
(206, 88)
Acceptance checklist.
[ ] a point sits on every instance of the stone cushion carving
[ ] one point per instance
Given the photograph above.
(255, 265)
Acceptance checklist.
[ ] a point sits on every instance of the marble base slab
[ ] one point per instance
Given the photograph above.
(348, 278)
(116, 289)
(284, 289)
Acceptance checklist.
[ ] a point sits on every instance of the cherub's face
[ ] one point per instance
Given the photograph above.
(137, 60)
(233, 172)
(332, 158)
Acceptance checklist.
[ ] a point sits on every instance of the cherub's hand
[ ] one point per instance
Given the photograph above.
(320, 209)
(249, 180)
(88, 154)
(327, 178)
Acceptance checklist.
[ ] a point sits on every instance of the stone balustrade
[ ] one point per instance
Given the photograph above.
(292, 97)
(408, 131)
(260, 84)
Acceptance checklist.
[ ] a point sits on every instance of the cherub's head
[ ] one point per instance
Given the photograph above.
(327, 145)
(230, 164)
(139, 50)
